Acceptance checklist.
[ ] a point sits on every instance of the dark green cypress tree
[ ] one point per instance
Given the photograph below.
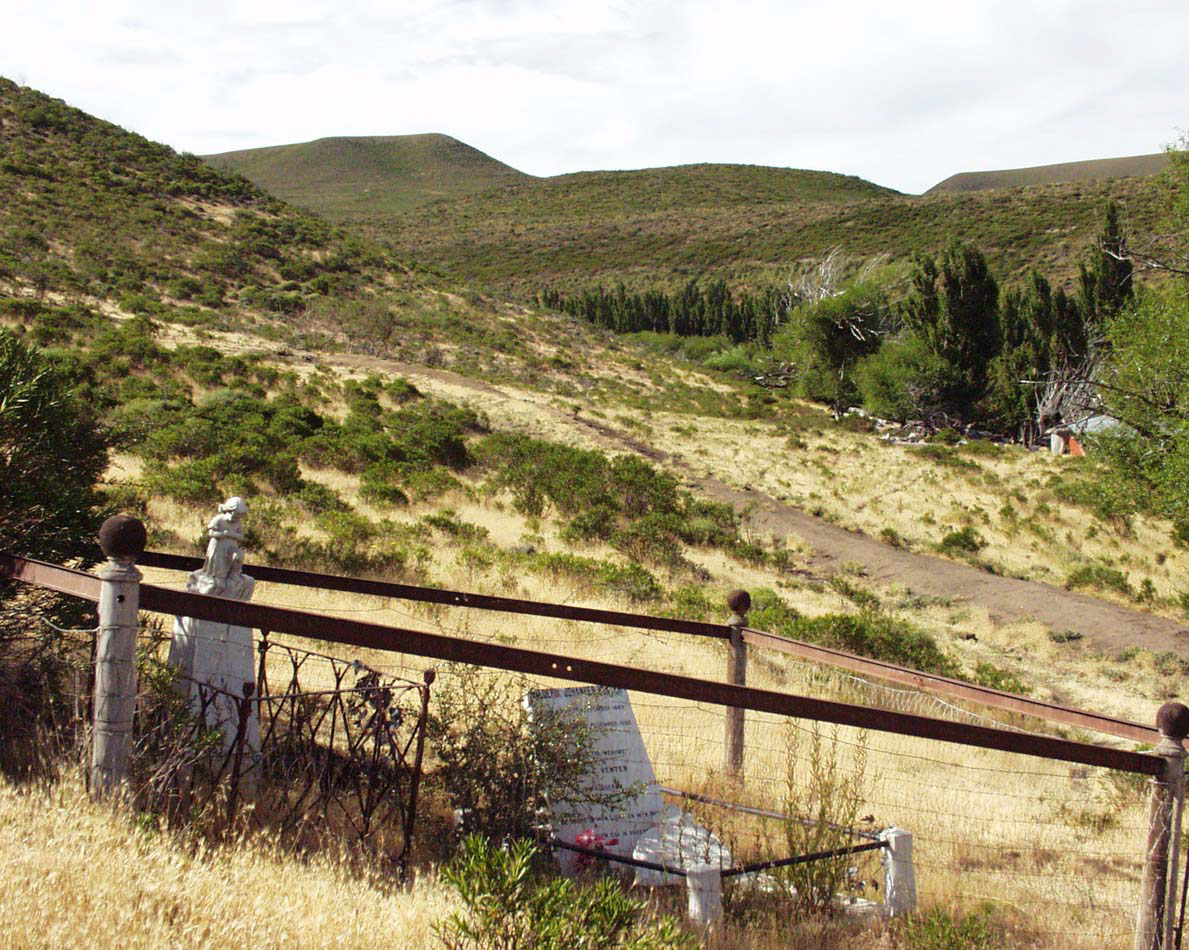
(1105, 280)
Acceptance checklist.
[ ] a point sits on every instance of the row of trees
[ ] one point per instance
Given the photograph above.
(957, 346)
(696, 310)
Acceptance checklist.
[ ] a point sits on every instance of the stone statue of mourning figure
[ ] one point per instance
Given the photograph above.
(216, 660)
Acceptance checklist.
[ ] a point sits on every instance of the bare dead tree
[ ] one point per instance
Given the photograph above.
(826, 277)
(819, 280)
(1153, 257)
(1069, 393)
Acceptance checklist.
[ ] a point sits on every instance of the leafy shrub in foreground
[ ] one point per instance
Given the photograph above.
(509, 904)
(500, 767)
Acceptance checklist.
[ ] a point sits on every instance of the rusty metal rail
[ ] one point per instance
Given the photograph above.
(941, 685)
(450, 598)
(65, 580)
(957, 689)
(435, 646)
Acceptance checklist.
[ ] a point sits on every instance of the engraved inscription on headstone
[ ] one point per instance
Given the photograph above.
(622, 763)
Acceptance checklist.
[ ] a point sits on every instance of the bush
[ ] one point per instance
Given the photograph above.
(995, 677)
(1100, 577)
(881, 637)
(901, 380)
(624, 501)
(498, 770)
(962, 542)
(826, 339)
(52, 453)
(941, 930)
(823, 797)
(509, 904)
(632, 580)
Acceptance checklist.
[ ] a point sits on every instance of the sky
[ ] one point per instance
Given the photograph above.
(903, 94)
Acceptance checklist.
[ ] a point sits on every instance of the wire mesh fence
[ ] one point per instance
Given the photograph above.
(1057, 848)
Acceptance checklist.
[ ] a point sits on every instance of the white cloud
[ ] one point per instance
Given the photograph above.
(903, 95)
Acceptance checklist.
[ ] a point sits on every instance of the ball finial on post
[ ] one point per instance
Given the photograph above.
(1172, 719)
(122, 539)
(123, 536)
(739, 601)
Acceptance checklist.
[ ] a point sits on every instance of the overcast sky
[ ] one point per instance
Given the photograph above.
(903, 94)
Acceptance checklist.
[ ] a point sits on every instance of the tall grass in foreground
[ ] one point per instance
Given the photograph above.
(77, 875)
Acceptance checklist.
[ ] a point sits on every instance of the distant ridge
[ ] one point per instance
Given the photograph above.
(1061, 174)
(342, 178)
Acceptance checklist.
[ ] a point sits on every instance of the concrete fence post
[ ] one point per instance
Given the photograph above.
(704, 884)
(122, 539)
(1154, 926)
(899, 879)
(740, 603)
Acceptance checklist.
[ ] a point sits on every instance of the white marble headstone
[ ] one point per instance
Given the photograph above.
(622, 763)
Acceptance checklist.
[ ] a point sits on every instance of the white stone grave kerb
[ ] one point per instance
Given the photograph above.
(214, 654)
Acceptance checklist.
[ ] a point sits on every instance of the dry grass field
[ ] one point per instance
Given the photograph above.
(75, 875)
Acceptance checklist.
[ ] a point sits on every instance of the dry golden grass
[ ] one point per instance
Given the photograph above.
(860, 482)
(1026, 834)
(73, 874)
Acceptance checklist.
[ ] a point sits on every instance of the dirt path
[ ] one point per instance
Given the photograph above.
(1106, 626)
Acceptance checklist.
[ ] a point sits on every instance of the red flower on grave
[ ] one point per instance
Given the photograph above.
(596, 842)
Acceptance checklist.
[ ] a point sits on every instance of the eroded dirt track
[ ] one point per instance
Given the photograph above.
(1106, 626)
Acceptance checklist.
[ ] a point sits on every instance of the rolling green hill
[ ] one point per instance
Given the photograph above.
(99, 225)
(98, 222)
(1063, 173)
(343, 178)
(661, 227)
(479, 222)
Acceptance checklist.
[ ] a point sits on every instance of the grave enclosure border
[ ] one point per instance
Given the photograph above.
(119, 594)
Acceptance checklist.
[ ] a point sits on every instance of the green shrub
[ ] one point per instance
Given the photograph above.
(508, 904)
(823, 795)
(632, 580)
(938, 929)
(901, 380)
(858, 595)
(498, 766)
(448, 522)
(946, 456)
(52, 453)
(962, 542)
(995, 677)
(1100, 577)
(881, 637)
(624, 500)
